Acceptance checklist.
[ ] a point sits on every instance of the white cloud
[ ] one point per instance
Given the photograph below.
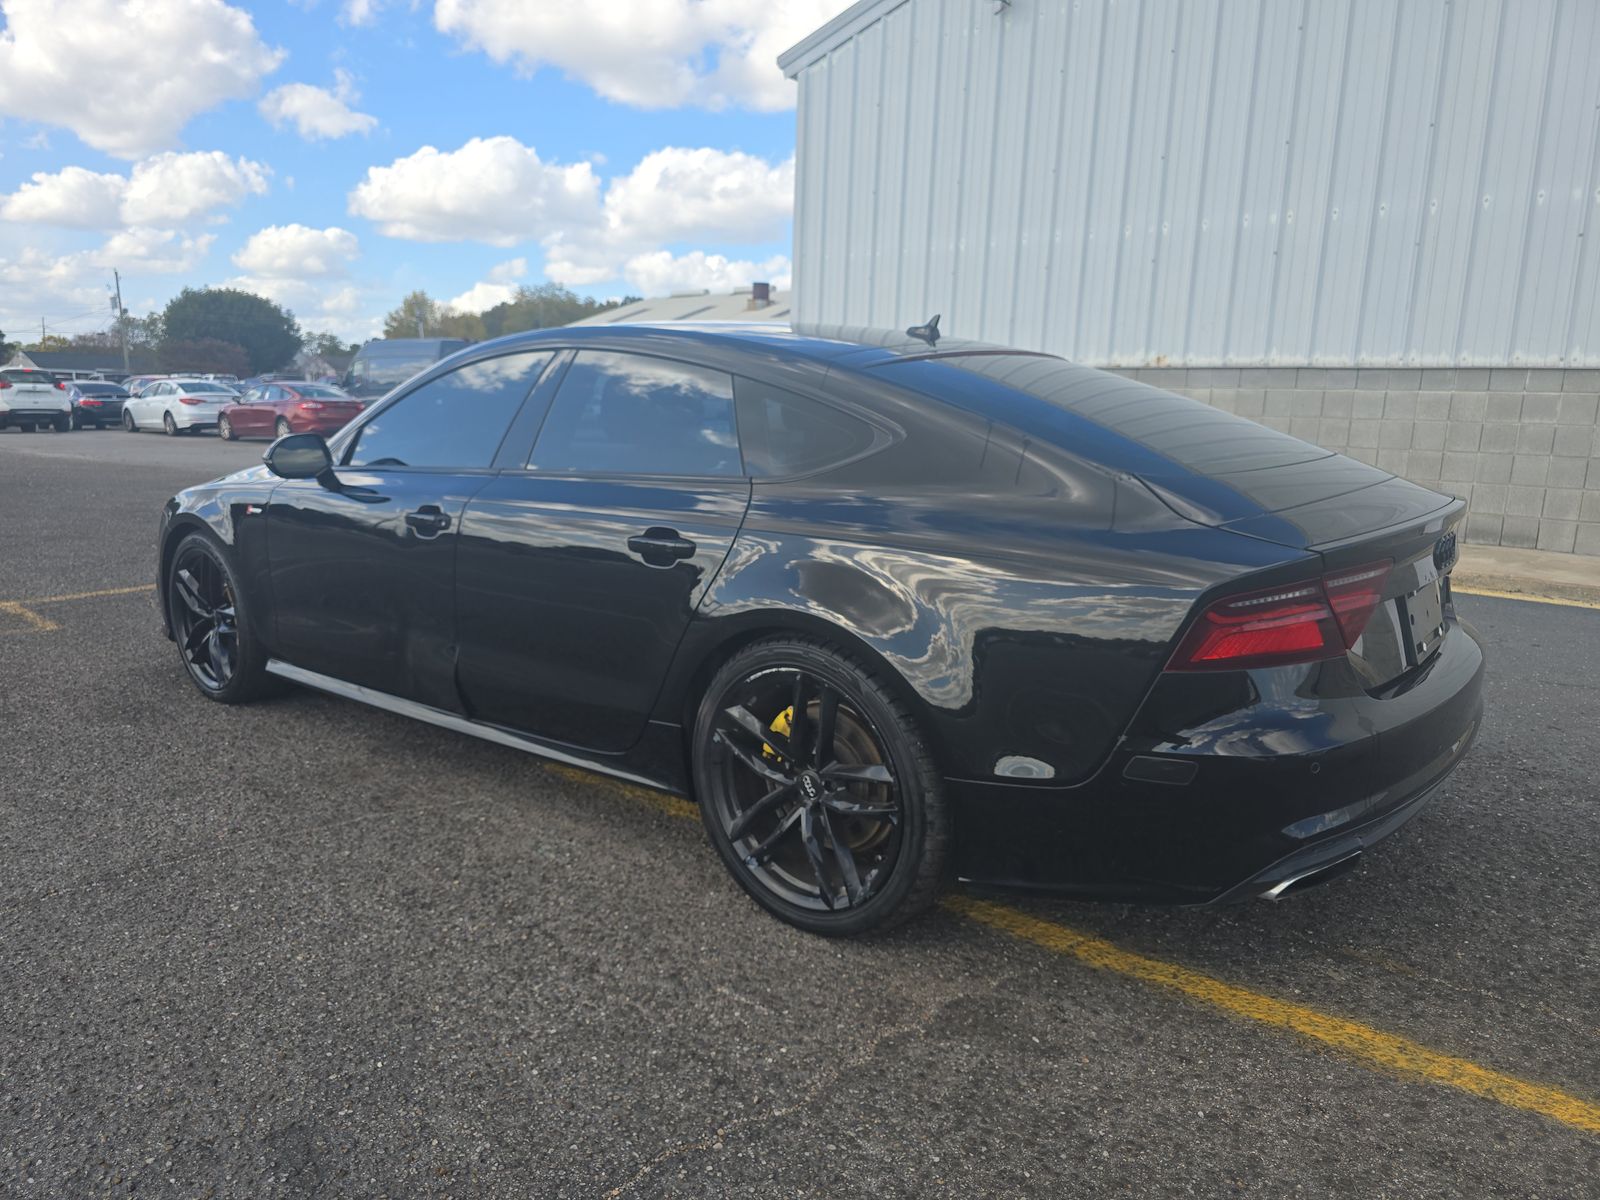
(126, 75)
(347, 309)
(150, 252)
(298, 252)
(167, 189)
(648, 53)
(509, 271)
(74, 197)
(499, 287)
(482, 296)
(492, 190)
(661, 273)
(317, 112)
(676, 195)
(172, 188)
(35, 280)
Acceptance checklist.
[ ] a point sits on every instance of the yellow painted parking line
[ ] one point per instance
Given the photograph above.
(1371, 1047)
(122, 591)
(1497, 595)
(33, 621)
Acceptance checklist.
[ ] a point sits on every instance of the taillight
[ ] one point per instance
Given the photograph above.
(1296, 623)
(1355, 595)
(60, 387)
(310, 406)
(4, 384)
(190, 400)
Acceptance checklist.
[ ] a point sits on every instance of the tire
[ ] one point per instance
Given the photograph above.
(282, 428)
(226, 662)
(225, 428)
(63, 423)
(891, 815)
(26, 426)
(77, 421)
(169, 425)
(128, 423)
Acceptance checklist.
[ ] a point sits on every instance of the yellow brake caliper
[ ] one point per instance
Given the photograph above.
(781, 723)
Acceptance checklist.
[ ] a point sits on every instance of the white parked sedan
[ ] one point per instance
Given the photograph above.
(177, 406)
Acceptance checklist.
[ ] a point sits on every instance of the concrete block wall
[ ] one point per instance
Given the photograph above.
(1521, 445)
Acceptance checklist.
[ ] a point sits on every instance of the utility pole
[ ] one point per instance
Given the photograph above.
(122, 320)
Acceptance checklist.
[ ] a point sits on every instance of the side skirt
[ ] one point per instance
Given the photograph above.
(452, 722)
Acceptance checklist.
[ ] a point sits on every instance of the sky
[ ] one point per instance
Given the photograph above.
(336, 154)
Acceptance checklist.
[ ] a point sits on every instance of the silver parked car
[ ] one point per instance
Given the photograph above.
(177, 406)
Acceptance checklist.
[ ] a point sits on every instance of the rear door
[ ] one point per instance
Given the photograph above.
(581, 568)
(363, 560)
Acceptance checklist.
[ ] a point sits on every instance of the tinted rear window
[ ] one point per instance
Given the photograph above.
(22, 375)
(785, 434)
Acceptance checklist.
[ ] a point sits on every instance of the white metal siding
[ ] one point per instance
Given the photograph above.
(1211, 182)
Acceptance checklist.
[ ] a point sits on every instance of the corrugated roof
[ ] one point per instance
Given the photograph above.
(700, 306)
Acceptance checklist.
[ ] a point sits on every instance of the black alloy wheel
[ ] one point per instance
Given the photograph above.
(203, 604)
(169, 425)
(817, 790)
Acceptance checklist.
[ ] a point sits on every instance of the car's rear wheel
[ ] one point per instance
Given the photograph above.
(63, 423)
(225, 428)
(818, 790)
(211, 623)
(169, 425)
(25, 426)
(282, 428)
(128, 422)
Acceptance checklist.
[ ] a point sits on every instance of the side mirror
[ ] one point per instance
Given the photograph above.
(298, 456)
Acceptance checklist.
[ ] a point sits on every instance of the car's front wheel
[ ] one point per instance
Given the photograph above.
(818, 790)
(128, 422)
(211, 623)
(225, 428)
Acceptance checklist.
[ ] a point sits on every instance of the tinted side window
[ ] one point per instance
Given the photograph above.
(455, 421)
(631, 414)
(785, 434)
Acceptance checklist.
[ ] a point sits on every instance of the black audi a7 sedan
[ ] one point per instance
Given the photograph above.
(892, 609)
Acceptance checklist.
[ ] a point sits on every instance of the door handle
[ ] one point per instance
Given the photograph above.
(661, 547)
(428, 521)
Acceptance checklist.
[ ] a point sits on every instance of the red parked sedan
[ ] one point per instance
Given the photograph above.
(287, 406)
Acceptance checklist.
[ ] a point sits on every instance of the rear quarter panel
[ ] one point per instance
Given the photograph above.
(1022, 610)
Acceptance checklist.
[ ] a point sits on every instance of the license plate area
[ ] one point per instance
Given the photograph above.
(1422, 620)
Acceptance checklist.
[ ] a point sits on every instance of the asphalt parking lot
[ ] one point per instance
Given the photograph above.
(309, 948)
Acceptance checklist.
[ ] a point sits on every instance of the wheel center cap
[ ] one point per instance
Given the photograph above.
(811, 785)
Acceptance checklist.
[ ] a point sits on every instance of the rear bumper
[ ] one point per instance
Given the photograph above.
(194, 418)
(34, 413)
(1292, 777)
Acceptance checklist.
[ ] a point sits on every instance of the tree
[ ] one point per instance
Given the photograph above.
(544, 307)
(267, 333)
(327, 344)
(204, 356)
(419, 315)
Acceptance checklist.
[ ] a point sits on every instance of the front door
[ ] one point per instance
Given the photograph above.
(578, 575)
(363, 560)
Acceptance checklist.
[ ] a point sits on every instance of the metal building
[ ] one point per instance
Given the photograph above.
(1209, 182)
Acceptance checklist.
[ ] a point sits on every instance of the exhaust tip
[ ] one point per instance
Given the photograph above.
(1305, 879)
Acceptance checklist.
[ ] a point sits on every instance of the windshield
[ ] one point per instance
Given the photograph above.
(22, 375)
(397, 370)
